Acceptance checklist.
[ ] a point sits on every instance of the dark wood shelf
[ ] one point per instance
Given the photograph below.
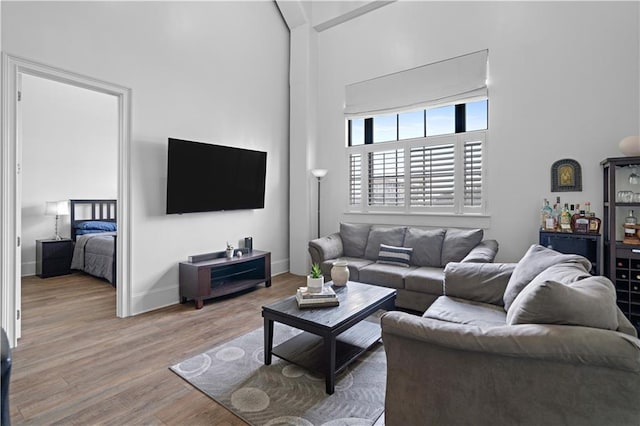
(621, 261)
(586, 244)
(214, 275)
(307, 350)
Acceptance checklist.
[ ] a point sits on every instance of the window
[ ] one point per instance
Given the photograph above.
(441, 150)
(386, 178)
(355, 179)
(432, 176)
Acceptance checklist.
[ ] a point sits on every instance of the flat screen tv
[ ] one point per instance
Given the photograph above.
(202, 177)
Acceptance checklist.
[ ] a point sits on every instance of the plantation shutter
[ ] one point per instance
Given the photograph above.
(473, 174)
(386, 178)
(432, 176)
(355, 179)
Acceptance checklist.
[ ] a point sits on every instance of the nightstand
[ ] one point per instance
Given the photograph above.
(53, 257)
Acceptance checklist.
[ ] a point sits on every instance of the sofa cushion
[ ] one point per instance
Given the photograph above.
(399, 256)
(383, 235)
(458, 243)
(384, 275)
(425, 280)
(590, 302)
(460, 311)
(354, 238)
(426, 245)
(535, 261)
(353, 263)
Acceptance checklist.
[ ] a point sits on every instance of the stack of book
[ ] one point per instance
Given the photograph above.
(327, 297)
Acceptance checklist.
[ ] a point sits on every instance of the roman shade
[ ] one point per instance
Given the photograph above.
(443, 82)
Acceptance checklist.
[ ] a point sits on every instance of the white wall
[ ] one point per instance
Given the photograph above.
(206, 71)
(564, 83)
(67, 132)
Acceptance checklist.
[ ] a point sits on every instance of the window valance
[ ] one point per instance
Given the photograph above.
(443, 82)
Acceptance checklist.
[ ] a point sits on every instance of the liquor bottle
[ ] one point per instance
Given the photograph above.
(574, 217)
(581, 224)
(565, 219)
(594, 223)
(547, 216)
(629, 225)
(556, 216)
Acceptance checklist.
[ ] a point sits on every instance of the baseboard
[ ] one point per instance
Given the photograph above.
(279, 267)
(28, 268)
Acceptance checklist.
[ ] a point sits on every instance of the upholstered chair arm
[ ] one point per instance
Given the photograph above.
(480, 282)
(324, 248)
(485, 252)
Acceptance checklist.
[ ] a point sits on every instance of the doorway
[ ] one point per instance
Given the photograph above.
(14, 69)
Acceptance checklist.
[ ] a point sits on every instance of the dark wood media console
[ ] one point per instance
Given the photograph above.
(214, 275)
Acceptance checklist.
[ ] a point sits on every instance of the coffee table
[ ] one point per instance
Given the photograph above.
(334, 336)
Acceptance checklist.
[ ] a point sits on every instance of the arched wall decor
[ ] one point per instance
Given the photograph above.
(566, 176)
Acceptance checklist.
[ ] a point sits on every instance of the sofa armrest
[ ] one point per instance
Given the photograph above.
(560, 343)
(324, 248)
(480, 282)
(484, 252)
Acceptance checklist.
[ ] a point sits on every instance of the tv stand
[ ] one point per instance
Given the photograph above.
(213, 275)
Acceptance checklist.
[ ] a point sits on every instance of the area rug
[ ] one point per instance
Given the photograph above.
(234, 374)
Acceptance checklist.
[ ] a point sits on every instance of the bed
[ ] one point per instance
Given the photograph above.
(94, 231)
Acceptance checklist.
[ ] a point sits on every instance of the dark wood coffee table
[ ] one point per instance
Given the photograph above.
(334, 336)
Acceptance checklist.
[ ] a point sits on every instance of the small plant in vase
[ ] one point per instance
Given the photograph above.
(315, 280)
(229, 251)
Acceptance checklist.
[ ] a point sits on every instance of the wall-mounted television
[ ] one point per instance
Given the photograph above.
(202, 177)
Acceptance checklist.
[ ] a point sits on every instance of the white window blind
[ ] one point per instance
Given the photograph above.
(386, 178)
(447, 81)
(355, 179)
(432, 181)
(473, 174)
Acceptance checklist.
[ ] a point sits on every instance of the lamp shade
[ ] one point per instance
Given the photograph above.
(630, 145)
(319, 173)
(57, 208)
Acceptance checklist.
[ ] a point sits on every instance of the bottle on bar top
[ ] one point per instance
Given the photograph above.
(581, 224)
(565, 219)
(546, 217)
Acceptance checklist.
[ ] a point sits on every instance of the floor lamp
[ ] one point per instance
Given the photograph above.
(319, 174)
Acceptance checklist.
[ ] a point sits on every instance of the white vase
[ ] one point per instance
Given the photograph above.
(229, 253)
(314, 285)
(340, 273)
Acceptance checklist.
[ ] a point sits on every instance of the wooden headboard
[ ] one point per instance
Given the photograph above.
(87, 210)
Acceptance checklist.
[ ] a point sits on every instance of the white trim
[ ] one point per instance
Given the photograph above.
(12, 67)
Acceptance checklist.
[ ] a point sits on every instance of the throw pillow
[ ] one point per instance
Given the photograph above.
(535, 261)
(590, 302)
(354, 238)
(400, 256)
(383, 235)
(458, 243)
(426, 245)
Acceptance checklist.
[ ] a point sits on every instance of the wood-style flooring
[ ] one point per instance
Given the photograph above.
(78, 364)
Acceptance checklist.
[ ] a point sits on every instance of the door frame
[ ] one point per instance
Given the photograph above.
(10, 210)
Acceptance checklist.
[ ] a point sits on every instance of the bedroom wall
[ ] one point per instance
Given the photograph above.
(207, 71)
(564, 83)
(67, 132)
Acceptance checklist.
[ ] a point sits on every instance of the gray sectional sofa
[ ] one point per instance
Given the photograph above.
(540, 342)
(420, 282)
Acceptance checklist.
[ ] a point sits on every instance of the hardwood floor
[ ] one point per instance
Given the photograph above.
(78, 364)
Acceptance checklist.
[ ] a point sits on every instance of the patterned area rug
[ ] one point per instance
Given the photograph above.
(234, 374)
